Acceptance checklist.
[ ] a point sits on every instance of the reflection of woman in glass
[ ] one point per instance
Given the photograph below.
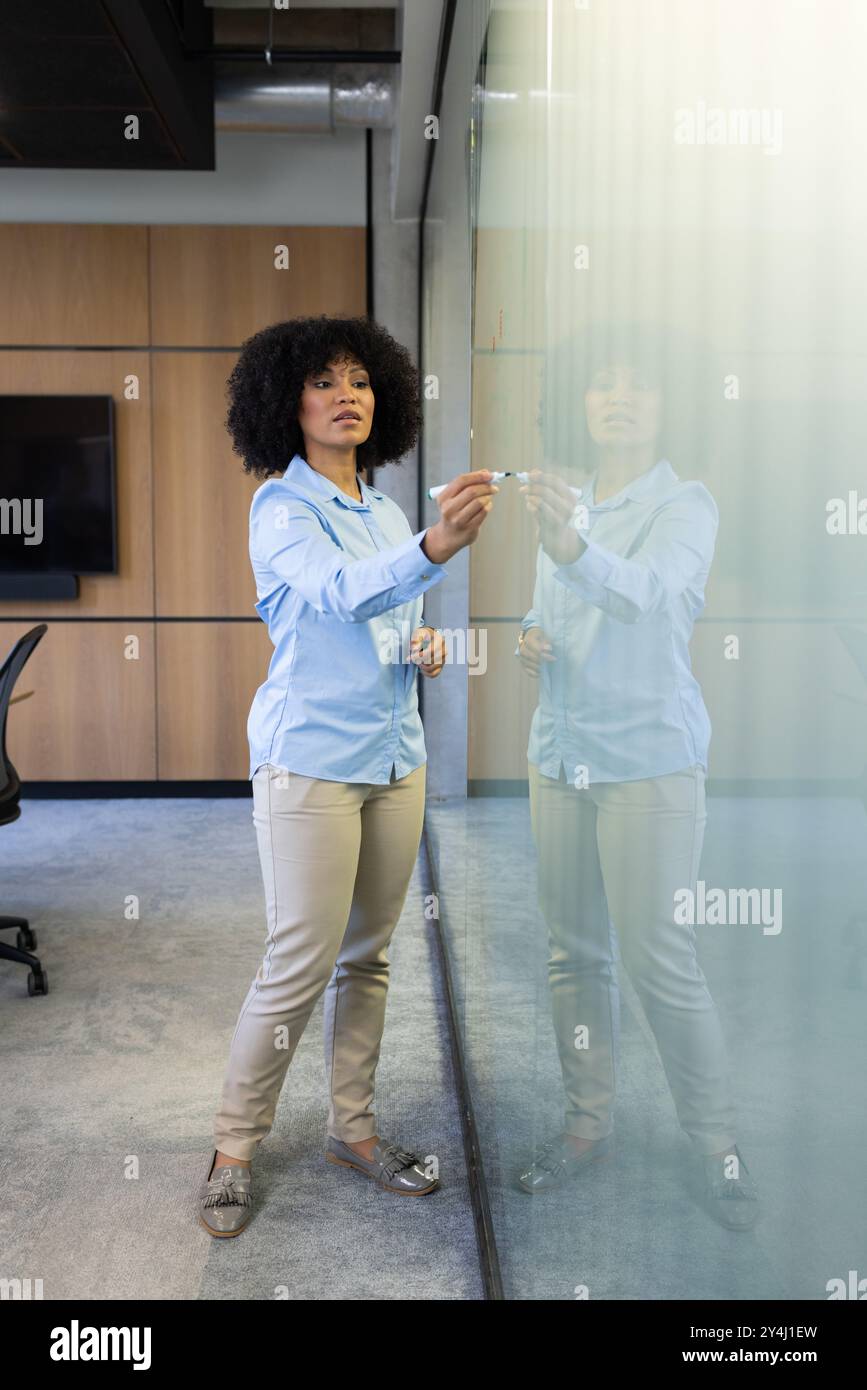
(617, 764)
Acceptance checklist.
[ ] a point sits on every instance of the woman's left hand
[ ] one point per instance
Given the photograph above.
(427, 650)
(552, 502)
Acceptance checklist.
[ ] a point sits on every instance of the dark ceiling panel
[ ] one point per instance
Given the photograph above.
(60, 18)
(76, 72)
(91, 140)
(71, 69)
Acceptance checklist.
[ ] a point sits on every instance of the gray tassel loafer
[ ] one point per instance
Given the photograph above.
(226, 1198)
(557, 1161)
(734, 1202)
(395, 1169)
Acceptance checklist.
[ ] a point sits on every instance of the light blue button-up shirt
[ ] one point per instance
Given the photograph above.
(339, 583)
(620, 700)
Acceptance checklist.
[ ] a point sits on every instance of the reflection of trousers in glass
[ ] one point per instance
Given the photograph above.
(337, 859)
(619, 852)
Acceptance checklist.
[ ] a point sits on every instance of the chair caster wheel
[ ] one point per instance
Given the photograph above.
(37, 982)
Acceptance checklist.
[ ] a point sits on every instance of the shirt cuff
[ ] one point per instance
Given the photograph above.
(410, 564)
(592, 568)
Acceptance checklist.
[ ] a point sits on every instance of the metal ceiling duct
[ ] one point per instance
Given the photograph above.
(303, 99)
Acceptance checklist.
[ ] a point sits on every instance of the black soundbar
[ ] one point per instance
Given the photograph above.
(38, 586)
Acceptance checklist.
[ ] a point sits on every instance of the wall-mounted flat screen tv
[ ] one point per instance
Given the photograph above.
(57, 485)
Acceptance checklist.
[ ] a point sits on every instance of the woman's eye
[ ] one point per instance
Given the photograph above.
(323, 382)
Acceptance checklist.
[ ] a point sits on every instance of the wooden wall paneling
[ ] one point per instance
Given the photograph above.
(216, 286)
(91, 716)
(95, 715)
(131, 590)
(73, 284)
(202, 494)
(509, 290)
(501, 705)
(207, 675)
(505, 437)
(503, 559)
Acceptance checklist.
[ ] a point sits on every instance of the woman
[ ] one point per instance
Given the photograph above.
(617, 764)
(337, 754)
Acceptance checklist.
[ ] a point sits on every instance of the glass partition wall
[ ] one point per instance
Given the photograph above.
(644, 277)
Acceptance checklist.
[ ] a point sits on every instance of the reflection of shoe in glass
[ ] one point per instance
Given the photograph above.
(557, 1161)
(226, 1199)
(395, 1169)
(733, 1201)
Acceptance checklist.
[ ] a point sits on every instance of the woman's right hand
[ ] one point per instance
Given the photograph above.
(535, 649)
(463, 505)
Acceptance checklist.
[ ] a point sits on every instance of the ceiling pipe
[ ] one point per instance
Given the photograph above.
(311, 101)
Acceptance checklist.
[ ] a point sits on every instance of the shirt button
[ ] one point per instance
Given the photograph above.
(425, 576)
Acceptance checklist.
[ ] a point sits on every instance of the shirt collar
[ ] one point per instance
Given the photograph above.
(657, 479)
(300, 473)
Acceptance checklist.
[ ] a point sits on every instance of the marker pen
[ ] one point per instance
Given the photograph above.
(434, 492)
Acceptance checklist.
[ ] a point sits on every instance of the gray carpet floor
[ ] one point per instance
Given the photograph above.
(110, 1081)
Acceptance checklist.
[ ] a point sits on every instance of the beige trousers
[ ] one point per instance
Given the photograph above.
(613, 856)
(337, 859)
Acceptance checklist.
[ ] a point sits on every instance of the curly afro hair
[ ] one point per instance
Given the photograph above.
(266, 382)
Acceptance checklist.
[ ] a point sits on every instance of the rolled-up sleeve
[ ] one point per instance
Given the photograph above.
(678, 549)
(288, 536)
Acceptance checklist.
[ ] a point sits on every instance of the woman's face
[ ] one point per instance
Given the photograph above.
(342, 389)
(624, 406)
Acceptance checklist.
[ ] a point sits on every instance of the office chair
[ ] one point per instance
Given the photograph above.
(10, 791)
